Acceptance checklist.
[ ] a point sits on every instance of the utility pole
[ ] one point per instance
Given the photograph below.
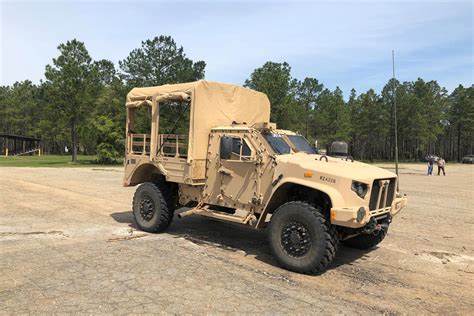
(307, 121)
(395, 118)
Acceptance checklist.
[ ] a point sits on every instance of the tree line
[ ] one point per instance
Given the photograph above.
(80, 105)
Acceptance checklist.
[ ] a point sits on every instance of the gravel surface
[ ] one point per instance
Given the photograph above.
(68, 245)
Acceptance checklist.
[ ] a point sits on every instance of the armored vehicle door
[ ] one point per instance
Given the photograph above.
(232, 171)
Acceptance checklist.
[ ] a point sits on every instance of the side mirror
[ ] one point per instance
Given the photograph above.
(225, 148)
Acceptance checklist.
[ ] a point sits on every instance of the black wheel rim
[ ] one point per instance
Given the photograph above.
(147, 208)
(295, 239)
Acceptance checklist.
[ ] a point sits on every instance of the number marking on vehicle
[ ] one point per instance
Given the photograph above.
(327, 179)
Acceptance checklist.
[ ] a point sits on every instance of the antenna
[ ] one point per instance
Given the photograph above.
(395, 119)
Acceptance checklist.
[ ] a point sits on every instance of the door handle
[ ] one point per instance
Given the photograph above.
(225, 171)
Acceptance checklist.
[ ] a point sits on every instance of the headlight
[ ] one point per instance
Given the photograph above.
(360, 214)
(359, 188)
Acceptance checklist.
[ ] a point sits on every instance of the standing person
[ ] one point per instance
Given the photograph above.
(430, 167)
(441, 164)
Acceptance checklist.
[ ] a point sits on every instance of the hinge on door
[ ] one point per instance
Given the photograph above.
(256, 200)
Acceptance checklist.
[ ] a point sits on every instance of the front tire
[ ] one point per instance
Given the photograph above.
(366, 241)
(301, 238)
(153, 208)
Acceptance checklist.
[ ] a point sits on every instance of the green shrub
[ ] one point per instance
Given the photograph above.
(107, 154)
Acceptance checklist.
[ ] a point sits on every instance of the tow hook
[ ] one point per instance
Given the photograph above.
(374, 227)
(370, 227)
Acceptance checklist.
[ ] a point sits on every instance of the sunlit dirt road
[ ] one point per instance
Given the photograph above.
(68, 244)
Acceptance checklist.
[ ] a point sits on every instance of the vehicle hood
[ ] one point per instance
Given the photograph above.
(336, 167)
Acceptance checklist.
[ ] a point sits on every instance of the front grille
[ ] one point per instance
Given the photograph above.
(382, 194)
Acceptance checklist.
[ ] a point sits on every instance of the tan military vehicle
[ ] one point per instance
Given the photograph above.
(233, 165)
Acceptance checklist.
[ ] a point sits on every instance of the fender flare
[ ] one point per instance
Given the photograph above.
(331, 192)
(144, 172)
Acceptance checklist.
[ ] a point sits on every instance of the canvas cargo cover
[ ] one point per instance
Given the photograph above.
(212, 104)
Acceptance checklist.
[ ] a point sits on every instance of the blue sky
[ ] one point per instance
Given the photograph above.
(341, 43)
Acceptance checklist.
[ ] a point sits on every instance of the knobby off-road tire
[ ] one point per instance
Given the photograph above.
(302, 238)
(366, 241)
(153, 206)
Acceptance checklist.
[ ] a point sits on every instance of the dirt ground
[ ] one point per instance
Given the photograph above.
(68, 244)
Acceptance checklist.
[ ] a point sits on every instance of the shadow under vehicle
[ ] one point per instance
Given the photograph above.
(231, 164)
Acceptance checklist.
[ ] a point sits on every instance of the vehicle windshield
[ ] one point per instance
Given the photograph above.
(302, 144)
(279, 146)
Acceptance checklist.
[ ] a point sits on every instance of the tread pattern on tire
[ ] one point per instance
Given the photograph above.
(166, 194)
(168, 191)
(330, 232)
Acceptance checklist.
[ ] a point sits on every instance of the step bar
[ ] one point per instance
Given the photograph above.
(205, 211)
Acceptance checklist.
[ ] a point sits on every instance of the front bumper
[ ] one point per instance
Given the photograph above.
(348, 216)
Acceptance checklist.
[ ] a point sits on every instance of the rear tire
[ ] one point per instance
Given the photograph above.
(301, 238)
(366, 241)
(153, 207)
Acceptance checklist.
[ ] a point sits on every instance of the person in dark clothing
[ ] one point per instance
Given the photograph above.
(430, 167)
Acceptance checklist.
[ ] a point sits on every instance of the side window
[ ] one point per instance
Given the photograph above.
(225, 150)
(234, 148)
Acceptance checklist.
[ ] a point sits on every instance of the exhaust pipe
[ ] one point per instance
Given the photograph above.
(186, 213)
